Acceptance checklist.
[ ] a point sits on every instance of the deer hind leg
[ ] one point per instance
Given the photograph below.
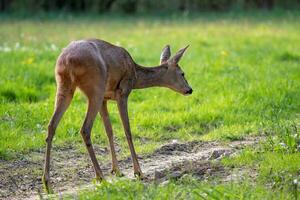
(108, 128)
(64, 95)
(95, 95)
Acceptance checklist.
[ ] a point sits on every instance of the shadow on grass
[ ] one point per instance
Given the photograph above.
(289, 57)
(8, 95)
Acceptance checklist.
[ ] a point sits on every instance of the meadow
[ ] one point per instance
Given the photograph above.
(244, 70)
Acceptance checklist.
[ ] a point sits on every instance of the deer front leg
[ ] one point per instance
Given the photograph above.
(122, 106)
(108, 128)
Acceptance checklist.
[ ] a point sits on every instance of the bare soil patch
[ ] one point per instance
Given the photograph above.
(72, 169)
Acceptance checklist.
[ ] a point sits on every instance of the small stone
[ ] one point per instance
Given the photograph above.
(217, 154)
(158, 175)
(174, 141)
(165, 183)
(59, 178)
(23, 187)
(175, 175)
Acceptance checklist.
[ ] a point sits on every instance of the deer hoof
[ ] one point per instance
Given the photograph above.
(99, 179)
(117, 172)
(46, 184)
(139, 175)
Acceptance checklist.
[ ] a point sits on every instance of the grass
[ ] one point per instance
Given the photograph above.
(244, 69)
(185, 188)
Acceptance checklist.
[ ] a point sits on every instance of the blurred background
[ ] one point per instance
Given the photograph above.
(141, 6)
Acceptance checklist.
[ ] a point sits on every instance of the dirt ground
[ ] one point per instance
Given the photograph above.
(72, 169)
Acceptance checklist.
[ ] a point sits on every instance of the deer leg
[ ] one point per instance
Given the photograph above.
(108, 128)
(122, 106)
(63, 99)
(95, 102)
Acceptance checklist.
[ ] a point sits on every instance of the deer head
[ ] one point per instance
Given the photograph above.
(174, 77)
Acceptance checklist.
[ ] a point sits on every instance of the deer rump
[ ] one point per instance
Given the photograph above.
(96, 59)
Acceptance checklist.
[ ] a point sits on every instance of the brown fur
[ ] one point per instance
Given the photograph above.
(104, 72)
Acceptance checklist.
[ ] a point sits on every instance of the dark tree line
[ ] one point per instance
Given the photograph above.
(131, 6)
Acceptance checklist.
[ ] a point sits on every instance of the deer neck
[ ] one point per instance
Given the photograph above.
(149, 76)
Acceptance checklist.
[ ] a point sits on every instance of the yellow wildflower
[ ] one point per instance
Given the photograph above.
(28, 61)
(224, 53)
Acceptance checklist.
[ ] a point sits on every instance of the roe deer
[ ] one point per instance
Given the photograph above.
(105, 72)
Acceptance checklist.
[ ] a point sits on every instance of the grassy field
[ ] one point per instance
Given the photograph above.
(244, 69)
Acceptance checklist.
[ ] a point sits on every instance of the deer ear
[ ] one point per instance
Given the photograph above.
(165, 54)
(175, 59)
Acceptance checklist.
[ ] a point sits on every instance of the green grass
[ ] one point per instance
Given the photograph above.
(185, 188)
(244, 69)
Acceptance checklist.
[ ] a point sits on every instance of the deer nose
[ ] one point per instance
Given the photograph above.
(190, 91)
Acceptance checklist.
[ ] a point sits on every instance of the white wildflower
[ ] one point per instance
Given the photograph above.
(283, 144)
(17, 45)
(53, 47)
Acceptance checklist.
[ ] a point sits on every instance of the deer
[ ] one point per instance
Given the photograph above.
(103, 72)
